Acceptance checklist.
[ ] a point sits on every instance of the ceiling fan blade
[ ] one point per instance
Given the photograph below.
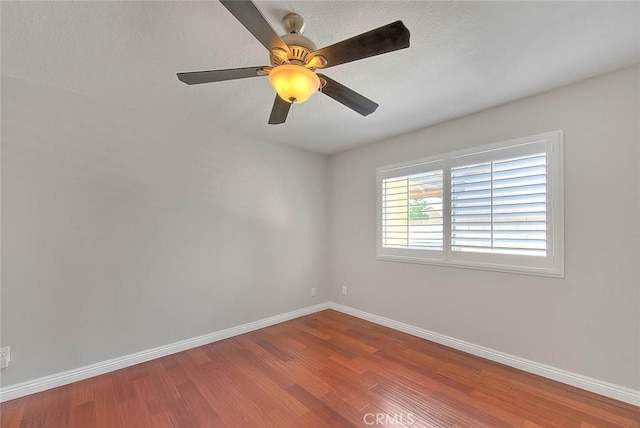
(348, 97)
(388, 38)
(196, 77)
(248, 14)
(279, 111)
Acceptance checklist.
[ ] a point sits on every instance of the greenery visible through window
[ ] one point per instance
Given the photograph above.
(418, 209)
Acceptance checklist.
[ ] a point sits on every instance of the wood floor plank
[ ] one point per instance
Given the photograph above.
(338, 404)
(312, 328)
(420, 382)
(327, 344)
(198, 406)
(105, 414)
(308, 378)
(83, 415)
(11, 413)
(431, 378)
(324, 412)
(228, 391)
(326, 369)
(276, 372)
(180, 414)
(162, 420)
(133, 412)
(595, 403)
(123, 385)
(285, 419)
(473, 380)
(533, 412)
(82, 391)
(357, 365)
(288, 342)
(249, 377)
(566, 406)
(198, 356)
(275, 350)
(59, 411)
(229, 413)
(497, 412)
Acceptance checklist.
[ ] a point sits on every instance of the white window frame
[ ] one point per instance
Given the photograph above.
(550, 265)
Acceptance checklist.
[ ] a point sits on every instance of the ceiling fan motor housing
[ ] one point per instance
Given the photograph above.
(299, 45)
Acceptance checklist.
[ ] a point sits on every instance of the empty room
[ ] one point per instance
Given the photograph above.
(228, 213)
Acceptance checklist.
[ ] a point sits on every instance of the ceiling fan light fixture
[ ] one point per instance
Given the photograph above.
(294, 60)
(294, 83)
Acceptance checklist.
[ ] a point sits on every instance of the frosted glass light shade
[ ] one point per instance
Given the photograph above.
(294, 83)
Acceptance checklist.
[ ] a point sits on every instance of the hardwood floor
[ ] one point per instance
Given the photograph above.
(325, 369)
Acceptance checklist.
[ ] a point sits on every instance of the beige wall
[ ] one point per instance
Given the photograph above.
(587, 323)
(122, 232)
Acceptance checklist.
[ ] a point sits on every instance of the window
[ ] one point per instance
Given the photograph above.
(496, 207)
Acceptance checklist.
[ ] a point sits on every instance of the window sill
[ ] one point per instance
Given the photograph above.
(476, 266)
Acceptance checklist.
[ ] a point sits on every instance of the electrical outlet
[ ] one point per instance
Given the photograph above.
(313, 292)
(344, 289)
(5, 357)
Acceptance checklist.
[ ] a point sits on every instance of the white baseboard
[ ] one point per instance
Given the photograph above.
(607, 389)
(59, 379)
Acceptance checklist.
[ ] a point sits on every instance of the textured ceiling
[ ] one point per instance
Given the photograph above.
(464, 57)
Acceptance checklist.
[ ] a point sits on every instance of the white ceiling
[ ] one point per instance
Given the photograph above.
(464, 57)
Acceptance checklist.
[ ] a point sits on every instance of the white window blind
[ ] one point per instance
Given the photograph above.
(500, 206)
(495, 207)
(412, 211)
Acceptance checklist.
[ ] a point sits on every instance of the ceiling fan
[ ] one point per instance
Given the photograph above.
(294, 60)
